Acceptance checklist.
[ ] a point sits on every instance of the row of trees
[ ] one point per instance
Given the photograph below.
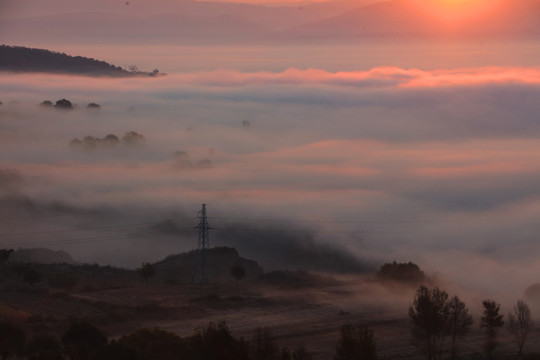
(130, 138)
(84, 341)
(439, 320)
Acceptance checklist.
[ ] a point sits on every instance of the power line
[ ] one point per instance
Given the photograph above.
(346, 221)
(75, 230)
(313, 231)
(228, 228)
(155, 232)
(85, 212)
(85, 240)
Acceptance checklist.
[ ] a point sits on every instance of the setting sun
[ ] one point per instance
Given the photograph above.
(453, 13)
(457, 2)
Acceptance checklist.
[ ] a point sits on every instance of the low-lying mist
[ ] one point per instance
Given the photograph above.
(299, 169)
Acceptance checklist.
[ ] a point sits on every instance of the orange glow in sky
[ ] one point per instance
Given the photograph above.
(455, 11)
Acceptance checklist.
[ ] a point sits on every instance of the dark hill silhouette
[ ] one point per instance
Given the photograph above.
(185, 268)
(23, 59)
(41, 256)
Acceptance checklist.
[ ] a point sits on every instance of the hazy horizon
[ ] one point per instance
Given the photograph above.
(421, 150)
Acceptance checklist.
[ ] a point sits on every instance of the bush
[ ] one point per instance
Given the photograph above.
(407, 273)
(82, 340)
(154, 344)
(12, 340)
(45, 347)
(215, 342)
(356, 343)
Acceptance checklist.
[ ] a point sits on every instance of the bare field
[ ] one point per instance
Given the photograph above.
(310, 316)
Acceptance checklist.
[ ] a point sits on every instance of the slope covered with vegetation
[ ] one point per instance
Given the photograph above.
(23, 59)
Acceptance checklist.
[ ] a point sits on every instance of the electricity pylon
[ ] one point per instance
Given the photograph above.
(203, 243)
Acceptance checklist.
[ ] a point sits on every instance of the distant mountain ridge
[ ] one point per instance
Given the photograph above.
(402, 19)
(201, 22)
(23, 59)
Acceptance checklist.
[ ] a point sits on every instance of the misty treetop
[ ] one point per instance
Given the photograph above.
(130, 139)
(23, 59)
(182, 160)
(65, 104)
(46, 104)
(9, 178)
(405, 273)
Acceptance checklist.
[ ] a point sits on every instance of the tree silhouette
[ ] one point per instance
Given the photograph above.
(408, 273)
(4, 255)
(238, 272)
(429, 314)
(12, 340)
(82, 340)
(63, 104)
(76, 144)
(154, 344)
(44, 347)
(459, 322)
(133, 138)
(110, 141)
(299, 353)
(147, 270)
(31, 276)
(491, 321)
(215, 342)
(90, 142)
(117, 351)
(356, 343)
(263, 345)
(520, 324)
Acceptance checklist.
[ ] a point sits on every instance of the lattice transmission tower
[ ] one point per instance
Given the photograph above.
(203, 244)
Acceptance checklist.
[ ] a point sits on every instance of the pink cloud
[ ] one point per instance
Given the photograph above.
(376, 77)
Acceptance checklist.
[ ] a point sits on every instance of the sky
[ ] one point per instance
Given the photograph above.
(348, 153)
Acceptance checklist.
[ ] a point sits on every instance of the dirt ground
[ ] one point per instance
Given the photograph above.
(310, 316)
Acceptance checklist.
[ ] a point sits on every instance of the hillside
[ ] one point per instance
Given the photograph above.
(22, 59)
(184, 268)
(41, 256)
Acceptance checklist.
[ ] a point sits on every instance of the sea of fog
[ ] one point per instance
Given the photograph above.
(305, 158)
(331, 56)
